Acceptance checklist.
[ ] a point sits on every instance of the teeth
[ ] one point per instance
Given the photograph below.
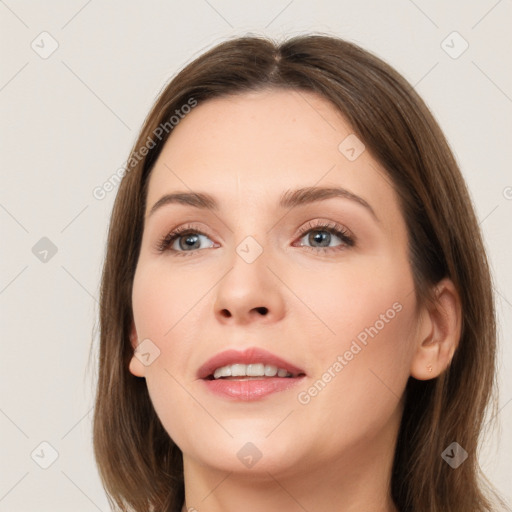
(238, 370)
(250, 370)
(255, 370)
(270, 371)
(225, 371)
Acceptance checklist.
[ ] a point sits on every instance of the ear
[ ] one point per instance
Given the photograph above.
(136, 367)
(439, 332)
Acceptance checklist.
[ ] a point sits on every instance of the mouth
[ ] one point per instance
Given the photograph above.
(255, 371)
(248, 375)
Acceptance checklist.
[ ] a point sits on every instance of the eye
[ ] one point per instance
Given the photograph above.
(320, 236)
(182, 241)
(186, 240)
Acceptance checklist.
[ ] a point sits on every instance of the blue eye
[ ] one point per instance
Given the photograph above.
(188, 239)
(322, 233)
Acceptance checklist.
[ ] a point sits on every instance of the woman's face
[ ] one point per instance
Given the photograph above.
(281, 274)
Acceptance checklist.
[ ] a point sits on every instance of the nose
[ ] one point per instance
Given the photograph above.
(249, 292)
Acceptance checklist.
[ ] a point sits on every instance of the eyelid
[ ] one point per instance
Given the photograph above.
(163, 243)
(344, 234)
(327, 225)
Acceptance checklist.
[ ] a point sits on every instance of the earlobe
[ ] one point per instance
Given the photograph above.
(136, 367)
(439, 335)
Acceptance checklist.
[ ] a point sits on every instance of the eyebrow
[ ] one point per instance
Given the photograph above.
(289, 199)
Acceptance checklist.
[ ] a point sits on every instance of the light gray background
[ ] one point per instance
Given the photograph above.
(67, 124)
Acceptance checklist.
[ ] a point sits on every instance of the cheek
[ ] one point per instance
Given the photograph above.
(165, 306)
(365, 393)
(360, 300)
(162, 300)
(170, 399)
(364, 356)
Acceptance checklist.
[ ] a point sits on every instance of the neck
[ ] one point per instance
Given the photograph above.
(357, 480)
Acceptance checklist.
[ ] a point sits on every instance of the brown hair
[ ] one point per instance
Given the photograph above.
(140, 466)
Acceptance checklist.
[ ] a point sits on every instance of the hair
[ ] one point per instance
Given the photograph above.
(140, 466)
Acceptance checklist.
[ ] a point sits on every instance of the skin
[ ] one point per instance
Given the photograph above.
(336, 451)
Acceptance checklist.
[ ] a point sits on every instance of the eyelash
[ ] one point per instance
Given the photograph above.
(330, 227)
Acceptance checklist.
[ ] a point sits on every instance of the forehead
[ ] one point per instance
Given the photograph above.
(256, 145)
(281, 120)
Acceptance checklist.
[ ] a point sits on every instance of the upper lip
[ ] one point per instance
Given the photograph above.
(251, 355)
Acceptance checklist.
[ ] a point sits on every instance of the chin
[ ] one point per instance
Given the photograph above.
(251, 452)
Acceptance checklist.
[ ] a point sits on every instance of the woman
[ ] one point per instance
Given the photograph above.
(328, 340)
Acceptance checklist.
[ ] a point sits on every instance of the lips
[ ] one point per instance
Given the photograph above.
(248, 388)
(250, 356)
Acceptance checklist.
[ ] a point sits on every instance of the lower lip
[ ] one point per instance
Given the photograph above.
(249, 390)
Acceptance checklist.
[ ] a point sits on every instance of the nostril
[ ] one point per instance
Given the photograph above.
(227, 314)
